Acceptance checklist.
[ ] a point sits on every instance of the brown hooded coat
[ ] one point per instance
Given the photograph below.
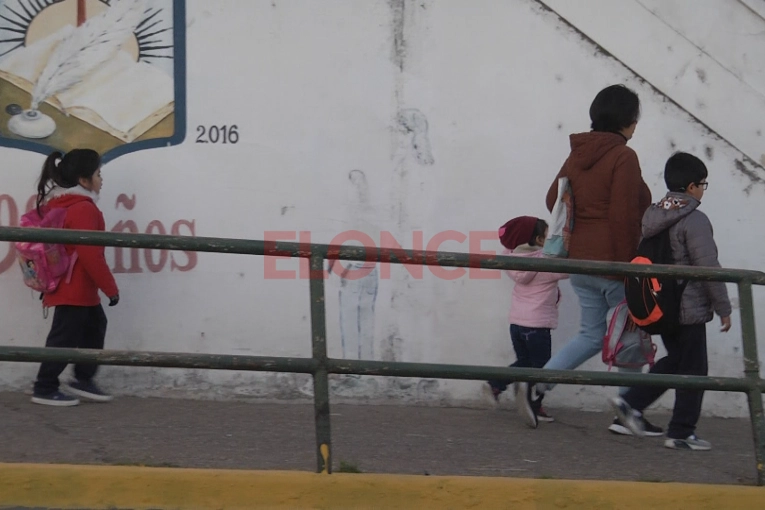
(610, 197)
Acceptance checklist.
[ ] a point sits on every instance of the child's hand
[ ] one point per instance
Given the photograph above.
(725, 321)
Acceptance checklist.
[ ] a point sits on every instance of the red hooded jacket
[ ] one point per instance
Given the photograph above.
(90, 272)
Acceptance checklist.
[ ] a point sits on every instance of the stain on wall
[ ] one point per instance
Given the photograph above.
(414, 123)
(398, 11)
(749, 169)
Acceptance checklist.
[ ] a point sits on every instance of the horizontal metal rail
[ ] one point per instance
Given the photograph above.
(159, 359)
(371, 368)
(320, 365)
(384, 255)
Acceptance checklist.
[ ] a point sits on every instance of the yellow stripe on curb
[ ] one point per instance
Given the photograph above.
(140, 488)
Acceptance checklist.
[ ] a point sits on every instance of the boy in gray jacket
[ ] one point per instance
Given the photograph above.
(692, 244)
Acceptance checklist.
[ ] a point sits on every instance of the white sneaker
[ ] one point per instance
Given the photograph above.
(649, 428)
(523, 400)
(628, 417)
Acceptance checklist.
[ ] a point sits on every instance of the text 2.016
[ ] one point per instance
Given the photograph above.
(218, 134)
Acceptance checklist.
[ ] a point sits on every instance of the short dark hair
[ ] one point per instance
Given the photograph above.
(682, 170)
(539, 230)
(614, 108)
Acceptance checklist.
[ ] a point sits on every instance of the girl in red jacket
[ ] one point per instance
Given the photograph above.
(73, 181)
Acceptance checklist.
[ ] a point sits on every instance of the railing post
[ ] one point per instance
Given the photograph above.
(320, 377)
(752, 372)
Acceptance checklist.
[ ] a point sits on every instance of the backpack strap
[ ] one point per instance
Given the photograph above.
(72, 260)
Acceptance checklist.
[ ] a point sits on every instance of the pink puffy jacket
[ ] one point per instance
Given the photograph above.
(536, 295)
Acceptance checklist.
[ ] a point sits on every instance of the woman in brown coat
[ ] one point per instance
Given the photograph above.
(610, 198)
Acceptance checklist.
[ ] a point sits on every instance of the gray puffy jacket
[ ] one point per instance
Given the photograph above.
(693, 244)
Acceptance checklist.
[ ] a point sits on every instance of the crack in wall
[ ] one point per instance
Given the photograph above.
(698, 48)
(753, 175)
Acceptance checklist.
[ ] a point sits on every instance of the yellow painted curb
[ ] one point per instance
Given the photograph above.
(139, 488)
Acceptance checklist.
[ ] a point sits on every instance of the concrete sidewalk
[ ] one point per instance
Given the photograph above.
(373, 439)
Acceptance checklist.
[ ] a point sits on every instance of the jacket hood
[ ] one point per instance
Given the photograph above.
(668, 211)
(525, 249)
(588, 148)
(65, 197)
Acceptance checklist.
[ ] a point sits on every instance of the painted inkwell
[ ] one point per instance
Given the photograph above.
(32, 124)
(80, 51)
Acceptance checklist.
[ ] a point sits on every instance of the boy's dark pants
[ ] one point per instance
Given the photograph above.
(686, 355)
(82, 327)
(533, 348)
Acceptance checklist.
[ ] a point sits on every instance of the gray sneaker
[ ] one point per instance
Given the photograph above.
(691, 442)
(628, 417)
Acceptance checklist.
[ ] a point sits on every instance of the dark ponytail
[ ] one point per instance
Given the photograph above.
(65, 171)
(49, 173)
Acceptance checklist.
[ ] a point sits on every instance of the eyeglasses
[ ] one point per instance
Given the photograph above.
(702, 185)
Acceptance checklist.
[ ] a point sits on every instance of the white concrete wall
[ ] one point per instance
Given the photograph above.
(317, 90)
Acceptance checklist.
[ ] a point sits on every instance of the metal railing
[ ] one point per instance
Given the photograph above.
(320, 365)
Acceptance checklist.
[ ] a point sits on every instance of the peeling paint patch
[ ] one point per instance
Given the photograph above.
(427, 387)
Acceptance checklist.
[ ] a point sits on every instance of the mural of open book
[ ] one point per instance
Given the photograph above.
(106, 74)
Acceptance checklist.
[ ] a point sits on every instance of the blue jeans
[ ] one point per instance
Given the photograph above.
(532, 348)
(596, 296)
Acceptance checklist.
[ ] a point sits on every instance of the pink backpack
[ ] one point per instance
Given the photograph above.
(44, 265)
(626, 345)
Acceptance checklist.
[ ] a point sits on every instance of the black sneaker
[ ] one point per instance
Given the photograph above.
(90, 391)
(524, 402)
(55, 399)
(650, 429)
(628, 417)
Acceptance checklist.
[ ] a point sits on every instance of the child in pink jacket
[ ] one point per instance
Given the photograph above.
(534, 302)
